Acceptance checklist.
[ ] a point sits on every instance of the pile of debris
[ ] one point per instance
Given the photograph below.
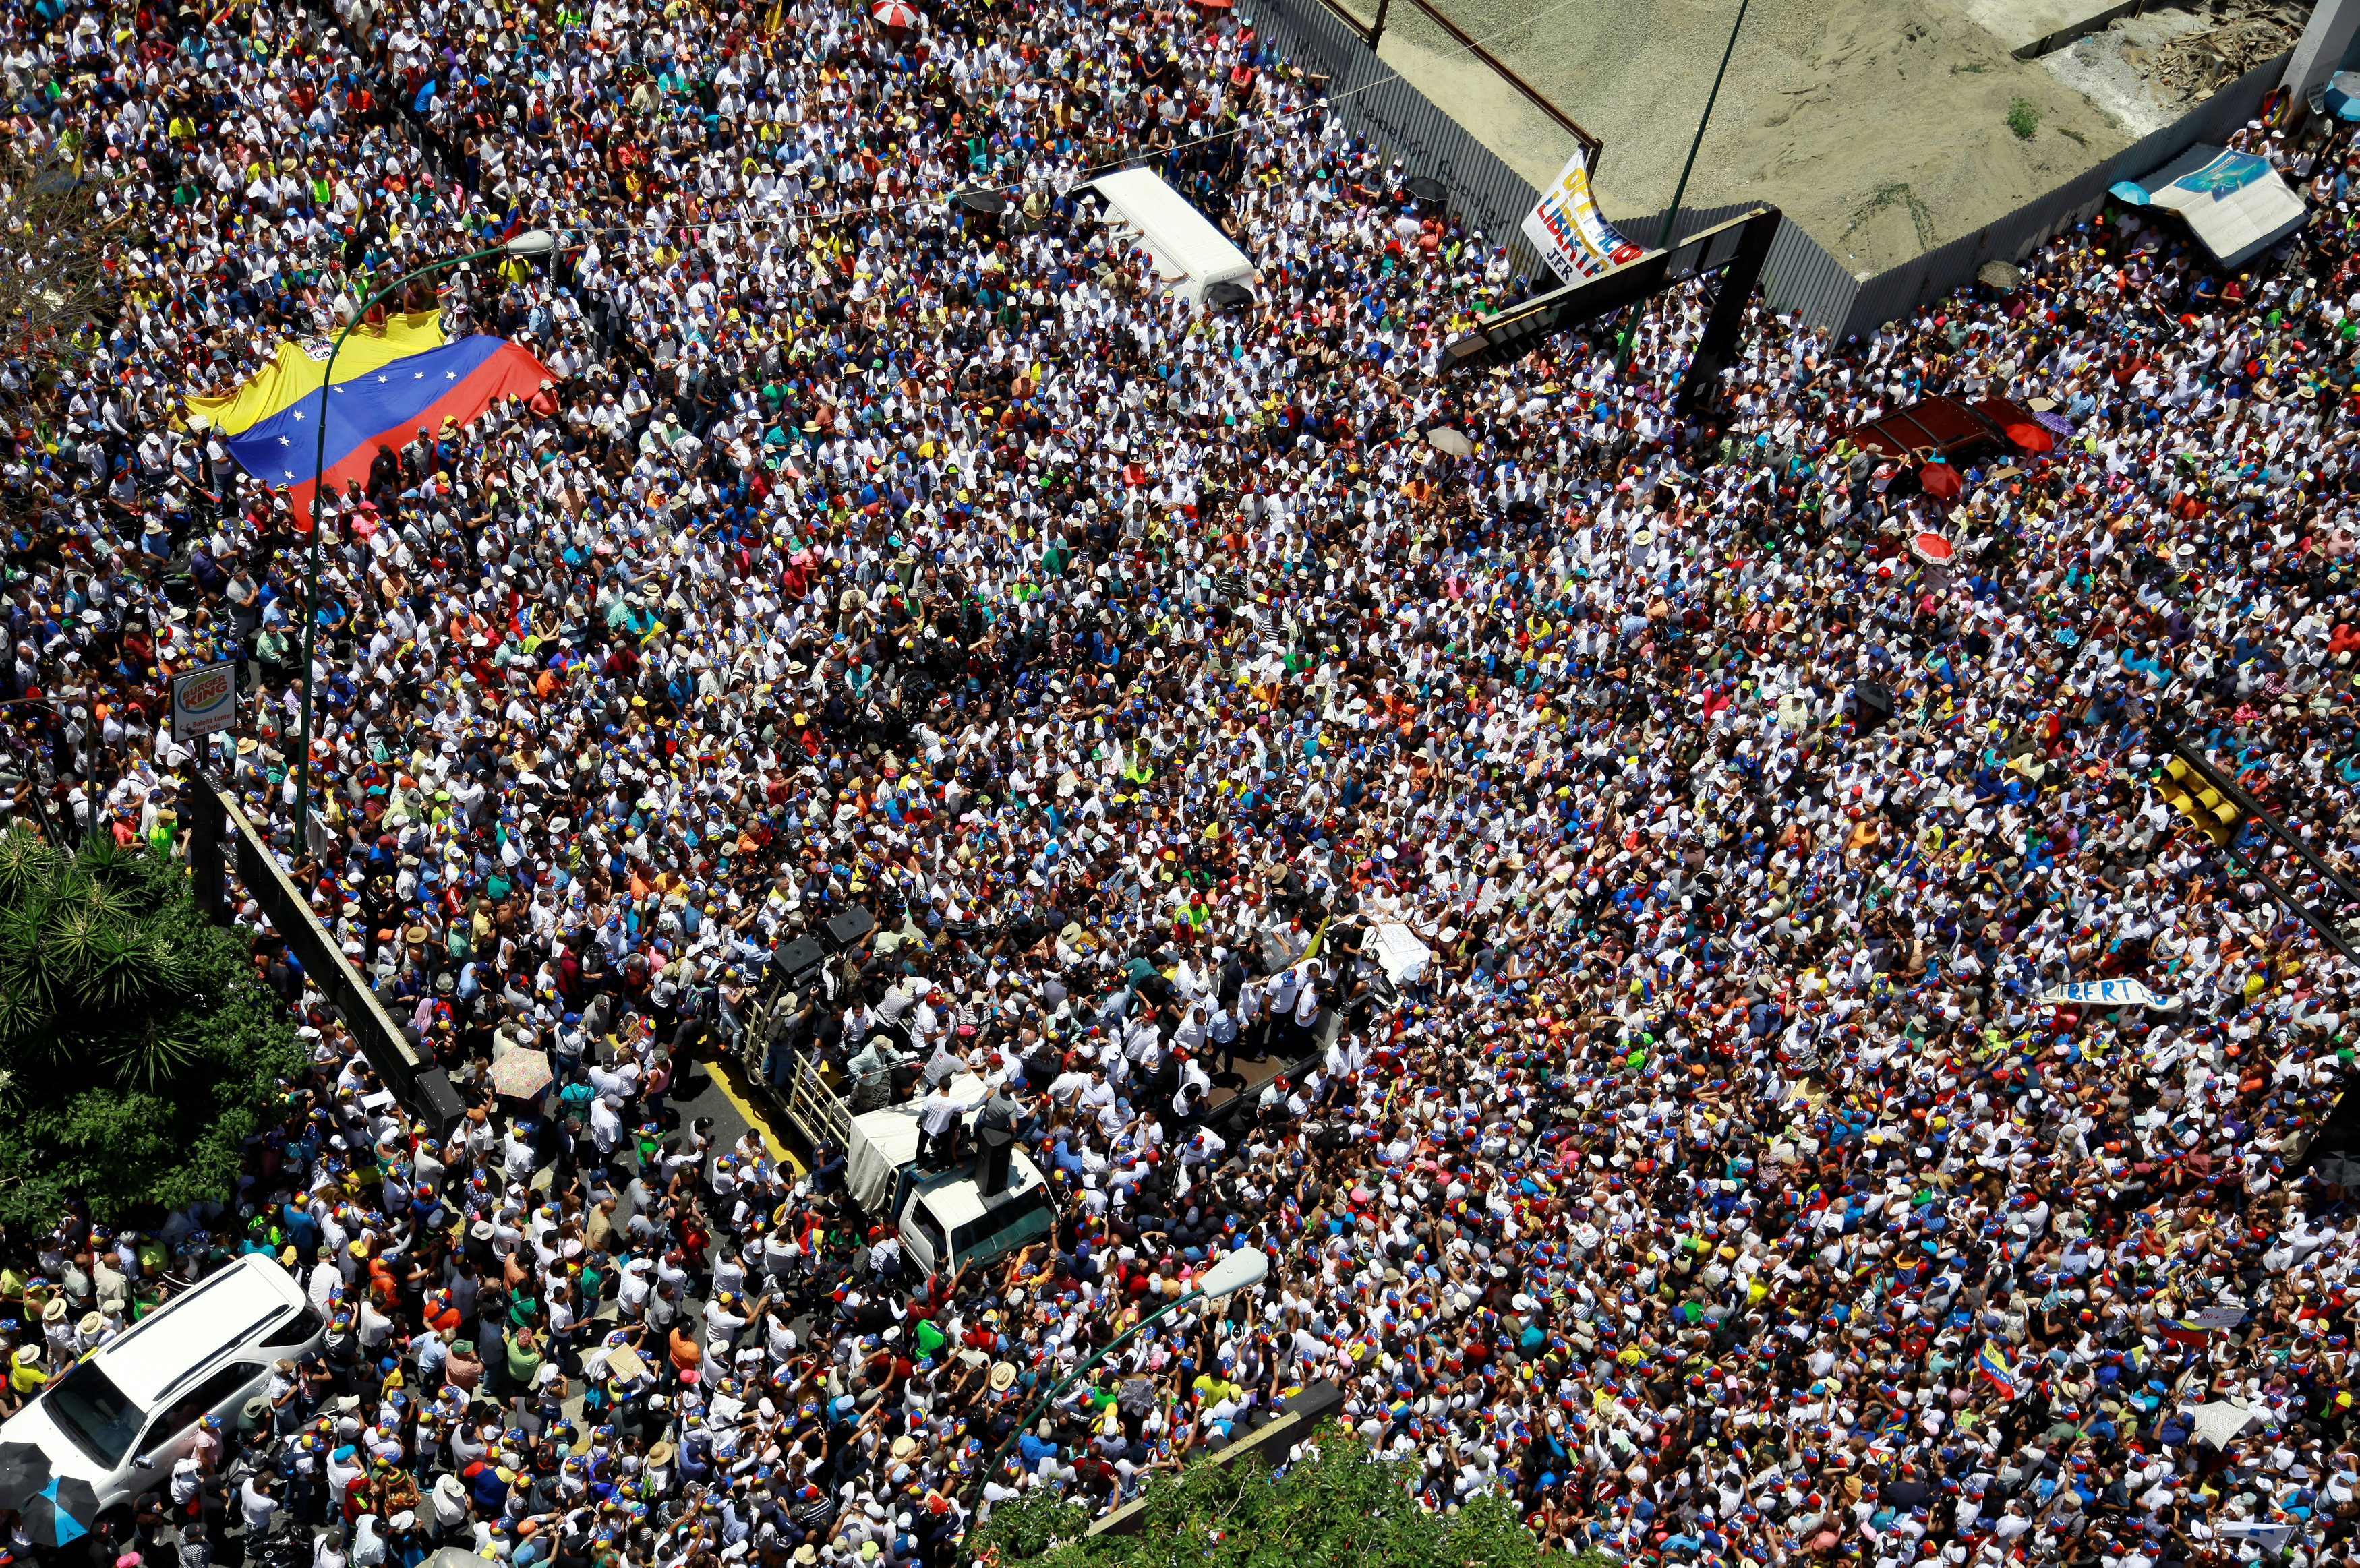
(2242, 35)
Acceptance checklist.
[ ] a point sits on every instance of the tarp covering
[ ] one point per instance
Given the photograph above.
(2234, 203)
(1936, 428)
(2338, 95)
(885, 1140)
(294, 372)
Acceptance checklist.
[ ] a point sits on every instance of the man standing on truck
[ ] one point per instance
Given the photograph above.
(938, 1120)
(1281, 999)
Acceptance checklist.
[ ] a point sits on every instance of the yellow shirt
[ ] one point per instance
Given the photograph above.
(1212, 1389)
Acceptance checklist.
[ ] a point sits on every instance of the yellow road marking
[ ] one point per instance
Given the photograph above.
(726, 1072)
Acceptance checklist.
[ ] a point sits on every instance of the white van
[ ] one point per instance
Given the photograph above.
(121, 1416)
(1191, 253)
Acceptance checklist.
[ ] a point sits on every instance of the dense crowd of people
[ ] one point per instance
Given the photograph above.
(1647, 872)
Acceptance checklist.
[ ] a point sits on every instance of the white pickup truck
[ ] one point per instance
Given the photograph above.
(944, 1220)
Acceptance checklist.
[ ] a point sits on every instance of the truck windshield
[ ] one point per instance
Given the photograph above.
(98, 1416)
(986, 1234)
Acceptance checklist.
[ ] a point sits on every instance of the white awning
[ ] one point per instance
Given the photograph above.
(2234, 202)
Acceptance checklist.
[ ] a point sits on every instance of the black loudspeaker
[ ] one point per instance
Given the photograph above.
(991, 1166)
(1873, 705)
(800, 962)
(847, 928)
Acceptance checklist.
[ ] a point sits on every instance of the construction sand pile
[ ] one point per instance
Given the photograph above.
(1883, 127)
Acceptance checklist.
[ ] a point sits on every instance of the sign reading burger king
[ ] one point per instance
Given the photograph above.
(204, 700)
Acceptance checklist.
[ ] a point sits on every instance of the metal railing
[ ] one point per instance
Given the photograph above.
(814, 1111)
(218, 825)
(818, 1112)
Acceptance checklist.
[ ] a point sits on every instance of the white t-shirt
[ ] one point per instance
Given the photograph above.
(259, 1506)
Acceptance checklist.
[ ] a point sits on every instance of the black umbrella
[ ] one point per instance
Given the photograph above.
(60, 1511)
(24, 1471)
(1226, 296)
(1423, 188)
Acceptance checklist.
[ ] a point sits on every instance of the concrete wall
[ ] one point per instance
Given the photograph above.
(2325, 44)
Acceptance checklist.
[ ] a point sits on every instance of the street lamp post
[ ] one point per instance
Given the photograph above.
(1671, 213)
(1234, 1271)
(532, 243)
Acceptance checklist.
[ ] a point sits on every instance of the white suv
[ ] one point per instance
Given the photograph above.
(119, 1418)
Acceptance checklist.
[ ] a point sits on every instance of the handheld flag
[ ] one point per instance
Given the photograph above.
(1996, 1366)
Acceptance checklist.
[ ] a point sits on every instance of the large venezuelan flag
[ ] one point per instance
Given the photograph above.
(387, 408)
(294, 373)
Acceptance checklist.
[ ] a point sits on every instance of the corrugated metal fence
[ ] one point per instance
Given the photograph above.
(2016, 236)
(1798, 276)
(1371, 100)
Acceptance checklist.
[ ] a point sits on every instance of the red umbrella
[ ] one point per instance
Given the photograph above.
(1940, 481)
(2031, 437)
(898, 15)
(1933, 549)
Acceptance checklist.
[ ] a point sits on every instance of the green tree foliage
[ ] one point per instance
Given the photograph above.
(1341, 1506)
(137, 1047)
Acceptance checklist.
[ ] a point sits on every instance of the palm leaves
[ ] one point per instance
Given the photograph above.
(125, 966)
(158, 1049)
(108, 863)
(19, 1014)
(136, 1048)
(89, 973)
(24, 973)
(25, 863)
(71, 939)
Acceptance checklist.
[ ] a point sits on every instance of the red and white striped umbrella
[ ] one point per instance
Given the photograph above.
(1933, 549)
(898, 15)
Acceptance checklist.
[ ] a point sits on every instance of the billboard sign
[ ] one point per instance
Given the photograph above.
(204, 700)
(1572, 233)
